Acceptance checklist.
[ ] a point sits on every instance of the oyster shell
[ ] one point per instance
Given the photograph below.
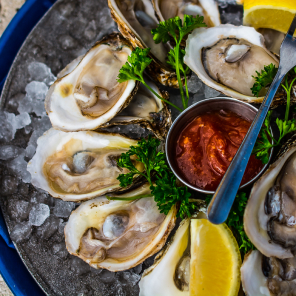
(169, 275)
(268, 276)
(270, 214)
(90, 95)
(147, 110)
(253, 280)
(79, 165)
(135, 20)
(166, 9)
(118, 235)
(226, 57)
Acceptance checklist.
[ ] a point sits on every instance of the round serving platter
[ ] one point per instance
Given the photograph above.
(67, 31)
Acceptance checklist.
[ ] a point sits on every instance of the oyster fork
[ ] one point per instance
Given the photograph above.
(221, 203)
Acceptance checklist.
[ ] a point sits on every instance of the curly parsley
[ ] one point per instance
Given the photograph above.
(165, 190)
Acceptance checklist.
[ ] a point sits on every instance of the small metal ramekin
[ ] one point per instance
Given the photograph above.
(246, 110)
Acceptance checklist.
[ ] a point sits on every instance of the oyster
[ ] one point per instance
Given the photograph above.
(90, 95)
(227, 57)
(270, 214)
(79, 165)
(118, 235)
(268, 276)
(171, 266)
(147, 110)
(166, 9)
(253, 280)
(135, 19)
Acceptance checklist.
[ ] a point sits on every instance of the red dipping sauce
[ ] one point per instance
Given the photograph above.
(208, 144)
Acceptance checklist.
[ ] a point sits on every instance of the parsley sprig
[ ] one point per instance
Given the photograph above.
(235, 221)
(174, 27)
(134, 68)
(265, 140)
(161, 179)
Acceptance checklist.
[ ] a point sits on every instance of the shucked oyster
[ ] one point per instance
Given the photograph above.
(263, 276)
(135, 19)
(90, 95)
(118, 235)
(270, 215)
(147, 110)
(79, 165)
(170, 273)
(166, 9)
(227, 57)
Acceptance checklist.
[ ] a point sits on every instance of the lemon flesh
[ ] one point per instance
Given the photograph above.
(271, 14)
(215, 260)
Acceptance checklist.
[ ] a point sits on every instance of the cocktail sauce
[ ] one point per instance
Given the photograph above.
(208, 144)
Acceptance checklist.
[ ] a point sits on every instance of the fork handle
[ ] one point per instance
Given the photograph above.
(223, 199)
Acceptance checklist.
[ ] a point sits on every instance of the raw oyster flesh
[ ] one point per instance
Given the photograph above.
(118, 235)
(78, 166)
(90, 95)
(270, 215)
(227, 57)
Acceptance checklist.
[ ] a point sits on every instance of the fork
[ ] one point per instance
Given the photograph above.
(221, 203)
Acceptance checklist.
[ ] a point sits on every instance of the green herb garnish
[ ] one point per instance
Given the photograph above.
(134, 68)
(164, 189)
(235, 221)
(286, 126)
(173, 27)
(263, 79)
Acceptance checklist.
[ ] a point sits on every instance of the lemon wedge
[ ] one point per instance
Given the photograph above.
(271, 14)
(215, 260)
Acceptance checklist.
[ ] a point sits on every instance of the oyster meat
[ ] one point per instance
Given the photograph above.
(170, 273)
(270, 214)
(227, 57)
(118, 235)
(147, 110)
(135, 19)
(166, 9)
(89, 95)
(268, 276)
(79, 166)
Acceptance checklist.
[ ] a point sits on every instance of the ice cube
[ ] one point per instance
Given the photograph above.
(38, 214)
(8, 152)
(19, 167)
(107, 276)
(9, 185)
(138, 268)
(36, 90)
(210, 92)
(78, 266)
(25, 105)
(41, 72)
(49, 228)
(67, 42)
(22, 120)
(90, 30)
(63, 209)
(194, 84)
(131, 277)
(60, 250)
(18, 210)
(21, 232)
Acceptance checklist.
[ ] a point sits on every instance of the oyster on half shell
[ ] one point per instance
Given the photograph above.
(227, 57)
(135, 19)
(170, 273)
(89, 95)
(78, 166)
(166, 9)
(268, 276)
(118, 235)
(270, 214)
